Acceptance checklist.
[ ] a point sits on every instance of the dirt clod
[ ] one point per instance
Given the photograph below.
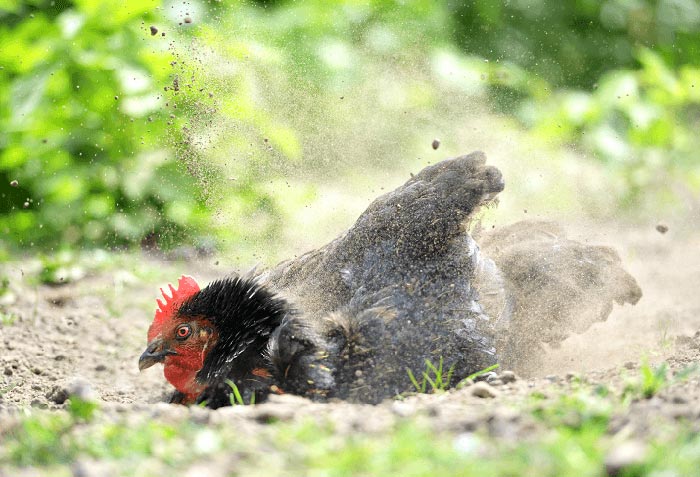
(188, 19)
(436, 144)
(662, 228)
(154, 30)
(14, 183)
(58, 395)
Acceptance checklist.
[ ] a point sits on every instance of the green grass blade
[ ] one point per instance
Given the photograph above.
(483, 371)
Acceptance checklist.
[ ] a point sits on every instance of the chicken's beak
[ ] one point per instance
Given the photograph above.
(155, 353)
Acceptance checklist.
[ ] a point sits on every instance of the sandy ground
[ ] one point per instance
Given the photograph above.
(94, 328)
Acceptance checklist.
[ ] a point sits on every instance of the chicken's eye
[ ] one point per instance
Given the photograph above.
(183, 332)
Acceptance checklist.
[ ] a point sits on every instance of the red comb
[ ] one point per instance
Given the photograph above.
(186, 287)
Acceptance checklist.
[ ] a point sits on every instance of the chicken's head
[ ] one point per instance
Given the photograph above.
(178, 341)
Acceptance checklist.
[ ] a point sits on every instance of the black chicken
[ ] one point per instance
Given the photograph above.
(405, 284)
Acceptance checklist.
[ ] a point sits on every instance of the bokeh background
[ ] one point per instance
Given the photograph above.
(260, 129)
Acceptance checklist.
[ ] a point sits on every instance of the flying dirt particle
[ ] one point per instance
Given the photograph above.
(436, 144)
(176, 84)
(14, 184)
(162, 34)
(116, 98)
(25, 205)
(266, 140)
(524, 211)
(662, 228)
(211, 95)
(154, 30)
(188, 20)
(44, 140)
(342, 97)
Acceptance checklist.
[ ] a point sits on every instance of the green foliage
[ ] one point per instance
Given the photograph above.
(82, 409)
(649, 382)
(46, 439)
(483, 371)
(7, 319)
(116, 137)
(573, 44)
(578, 410)
(82, 127)
(438, 379)
(652, 380)
(641, 123)
(41, 441)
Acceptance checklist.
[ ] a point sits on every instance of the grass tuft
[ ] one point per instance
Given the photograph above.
(236, 398)
(435, 376)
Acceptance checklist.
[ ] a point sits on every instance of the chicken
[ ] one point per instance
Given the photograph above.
(404, 285)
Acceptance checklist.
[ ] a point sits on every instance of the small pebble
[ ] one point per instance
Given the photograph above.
(662, 228)
(436, 144)
(486, 376)
(508, 377)
(624, 456)
(483, 390)
(14, 183)
(154, 30)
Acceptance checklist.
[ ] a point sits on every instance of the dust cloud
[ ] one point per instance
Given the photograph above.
(316, 159)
